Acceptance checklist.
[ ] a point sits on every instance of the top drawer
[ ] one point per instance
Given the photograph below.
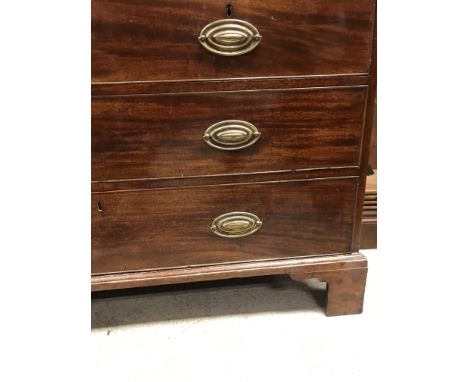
(145, 40)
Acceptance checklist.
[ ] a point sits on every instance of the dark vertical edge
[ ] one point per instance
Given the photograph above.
(369, 117)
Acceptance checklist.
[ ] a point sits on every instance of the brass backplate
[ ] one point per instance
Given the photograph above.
(236, 224)
(229, 37)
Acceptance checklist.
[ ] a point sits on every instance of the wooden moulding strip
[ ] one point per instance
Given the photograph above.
(320, 264)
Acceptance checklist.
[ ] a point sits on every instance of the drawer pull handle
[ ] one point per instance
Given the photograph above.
(229, 37)
(236, 224)
(231, 135)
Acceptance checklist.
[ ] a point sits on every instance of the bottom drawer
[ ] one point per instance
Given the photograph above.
(137, 230)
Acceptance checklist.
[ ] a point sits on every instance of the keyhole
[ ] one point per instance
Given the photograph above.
(229, 10)
(99, 207)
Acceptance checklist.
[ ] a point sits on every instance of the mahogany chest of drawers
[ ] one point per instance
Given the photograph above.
(231, 140)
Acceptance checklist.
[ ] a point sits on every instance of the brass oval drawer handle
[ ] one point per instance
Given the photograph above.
(236, 224)
(231, 135)
(229, 37)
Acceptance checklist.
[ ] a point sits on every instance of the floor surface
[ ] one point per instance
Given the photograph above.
(268, 328)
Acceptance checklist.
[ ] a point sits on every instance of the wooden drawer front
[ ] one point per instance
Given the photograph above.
(171, 227)
(159, 39)
(136, 137)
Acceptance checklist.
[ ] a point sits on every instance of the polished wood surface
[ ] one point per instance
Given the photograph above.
(138, 137)
(369, 212)
(309, 87)
(203, 86)
(345, 286)
(373, 143)
(221, 180)
(369, 118)
(345, 276)
(171, 228)
(146, 40)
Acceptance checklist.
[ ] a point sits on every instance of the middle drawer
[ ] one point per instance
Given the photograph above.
(200, 134)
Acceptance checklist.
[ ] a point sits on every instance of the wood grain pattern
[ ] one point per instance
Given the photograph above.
(221, 180)
(370, 112)
(373, 142)
(135, 137)
(297, 268)
(368, 235)
(171, 228)
(144, 40)
(345, 276)
(155, 91)
(197, 86)
(345, 287)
